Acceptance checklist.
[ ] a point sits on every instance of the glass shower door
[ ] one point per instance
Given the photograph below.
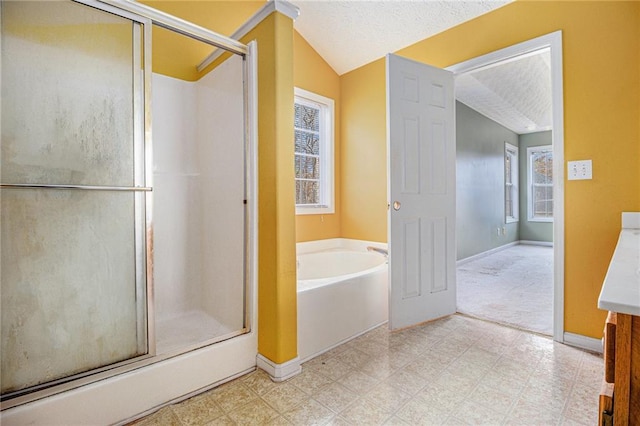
(72, 202)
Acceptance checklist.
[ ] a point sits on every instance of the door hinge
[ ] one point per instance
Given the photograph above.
(607, 418)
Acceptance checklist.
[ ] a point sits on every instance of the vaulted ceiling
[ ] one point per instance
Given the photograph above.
(352, 33)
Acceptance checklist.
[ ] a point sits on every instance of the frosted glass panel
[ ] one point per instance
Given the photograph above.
(67, 95)
(73, 270)
(68, 283)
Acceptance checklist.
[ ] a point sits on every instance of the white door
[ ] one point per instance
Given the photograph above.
(421, 161)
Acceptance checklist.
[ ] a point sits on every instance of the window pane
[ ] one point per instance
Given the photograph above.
(307, 118)
(313, 152)
(307, 143)
(307, 167)
(543, 201)
(542, 165)
(508, 202)
(307, 192)
(507, 168)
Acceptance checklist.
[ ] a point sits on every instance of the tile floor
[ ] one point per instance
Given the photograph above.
(454, 371)
(513, 286)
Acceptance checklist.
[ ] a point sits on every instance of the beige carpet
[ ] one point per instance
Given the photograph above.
(513, 286)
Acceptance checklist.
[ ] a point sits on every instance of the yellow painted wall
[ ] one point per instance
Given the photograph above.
(312, 73)
(277, 295)
(601, 46)
(364, 153)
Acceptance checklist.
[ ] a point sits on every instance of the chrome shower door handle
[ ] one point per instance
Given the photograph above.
(396, 205)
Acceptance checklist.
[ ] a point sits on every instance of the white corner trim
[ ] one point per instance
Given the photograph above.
(282, 6)
(583, 342)
(279, 372)
(485, 253)
(286, 8)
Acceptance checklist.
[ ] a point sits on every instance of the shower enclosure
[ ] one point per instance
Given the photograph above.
(198, 175)
(91, 283)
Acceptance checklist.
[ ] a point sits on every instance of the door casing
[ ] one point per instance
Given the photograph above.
(553, 42)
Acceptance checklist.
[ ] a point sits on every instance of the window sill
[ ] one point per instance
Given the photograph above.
(511, 220)
(541, 219)
(302, 211)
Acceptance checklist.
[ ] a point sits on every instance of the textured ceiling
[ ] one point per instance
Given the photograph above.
(514, 93)
(352, 33)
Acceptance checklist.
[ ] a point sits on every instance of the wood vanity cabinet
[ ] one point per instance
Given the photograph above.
(620, 393)
(620, 296)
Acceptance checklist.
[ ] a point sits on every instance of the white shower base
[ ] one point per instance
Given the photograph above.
(187, 329)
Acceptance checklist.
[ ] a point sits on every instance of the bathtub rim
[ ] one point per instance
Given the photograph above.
(317, 283)
(307, 247)
(331, 245)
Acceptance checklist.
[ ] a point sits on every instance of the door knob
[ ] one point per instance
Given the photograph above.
(396, 205)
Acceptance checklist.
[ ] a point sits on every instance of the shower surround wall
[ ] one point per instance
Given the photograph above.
(198, 174)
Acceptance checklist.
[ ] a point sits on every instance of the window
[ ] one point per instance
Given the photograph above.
(540, 183)
(313, 127)
(510, 183)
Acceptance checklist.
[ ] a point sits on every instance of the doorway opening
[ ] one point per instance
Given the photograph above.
(510, 246)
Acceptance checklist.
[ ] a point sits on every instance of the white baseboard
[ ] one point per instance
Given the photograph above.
(485, 253)
(537, 243)
(583, 342)
(504, 247)
(279, 372)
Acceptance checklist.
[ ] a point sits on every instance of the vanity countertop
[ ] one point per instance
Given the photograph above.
(621, 288)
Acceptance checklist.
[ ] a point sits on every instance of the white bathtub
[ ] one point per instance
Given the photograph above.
(342, 293)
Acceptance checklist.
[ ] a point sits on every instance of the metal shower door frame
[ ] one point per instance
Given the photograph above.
(248, 54)
(146, 16)
(142, 211)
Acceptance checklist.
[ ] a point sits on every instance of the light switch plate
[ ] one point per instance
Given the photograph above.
(579, 170)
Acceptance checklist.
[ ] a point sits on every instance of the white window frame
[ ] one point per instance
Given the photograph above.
(530, 183)
(511, 150)
(327, 118)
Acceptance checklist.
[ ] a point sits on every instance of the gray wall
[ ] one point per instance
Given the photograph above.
(480, 183)
(531, 231)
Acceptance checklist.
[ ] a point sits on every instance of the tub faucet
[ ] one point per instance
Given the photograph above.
(382, 251)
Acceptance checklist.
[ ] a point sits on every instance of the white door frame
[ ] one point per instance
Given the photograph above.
(553, 42)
